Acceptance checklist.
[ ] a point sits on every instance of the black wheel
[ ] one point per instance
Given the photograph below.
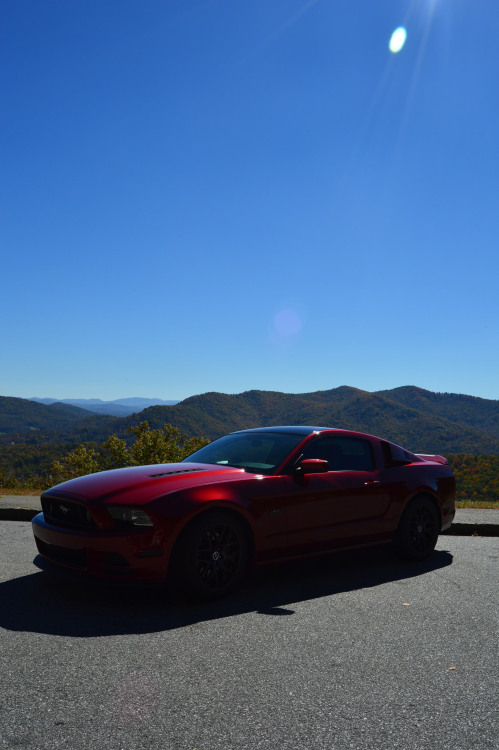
(213, 555)
(418, 529)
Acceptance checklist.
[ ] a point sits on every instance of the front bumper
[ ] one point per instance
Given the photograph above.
(113, 554)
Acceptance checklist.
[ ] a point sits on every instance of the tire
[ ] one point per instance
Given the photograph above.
(418, 529)
(213, 555)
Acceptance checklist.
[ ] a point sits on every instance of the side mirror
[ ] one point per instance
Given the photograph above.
(311, 466)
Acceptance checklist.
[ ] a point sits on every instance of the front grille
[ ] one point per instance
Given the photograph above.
(74, 557)
(66, 513)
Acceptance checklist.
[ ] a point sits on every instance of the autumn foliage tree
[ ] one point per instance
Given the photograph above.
(477, 477)
(166, 445)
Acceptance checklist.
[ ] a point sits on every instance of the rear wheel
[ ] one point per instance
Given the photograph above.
(213, 555)
(418, 529)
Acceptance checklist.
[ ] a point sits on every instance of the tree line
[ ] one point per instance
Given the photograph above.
(35, 467)
(39, 467)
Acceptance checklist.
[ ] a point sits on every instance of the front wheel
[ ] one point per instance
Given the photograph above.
(418, 529)
(213, 555)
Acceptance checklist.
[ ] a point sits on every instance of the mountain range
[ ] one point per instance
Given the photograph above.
(120, 407)
(421, 420)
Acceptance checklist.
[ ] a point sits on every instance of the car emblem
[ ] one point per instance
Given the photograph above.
(64, 508)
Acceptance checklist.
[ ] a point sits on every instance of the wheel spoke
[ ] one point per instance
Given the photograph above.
(218, 556)
(422, 529)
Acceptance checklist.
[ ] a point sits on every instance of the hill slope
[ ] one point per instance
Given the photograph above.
(213, 414)
(20, 415)
(481, 413)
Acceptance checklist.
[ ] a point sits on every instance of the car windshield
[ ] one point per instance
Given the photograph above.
(258, 452)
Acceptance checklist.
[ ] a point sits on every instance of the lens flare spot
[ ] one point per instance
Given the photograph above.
(287, 323)
(397, 40)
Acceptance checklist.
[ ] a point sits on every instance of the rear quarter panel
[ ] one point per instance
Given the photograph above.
(421, 478)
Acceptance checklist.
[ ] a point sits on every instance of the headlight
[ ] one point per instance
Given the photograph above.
(124, 516)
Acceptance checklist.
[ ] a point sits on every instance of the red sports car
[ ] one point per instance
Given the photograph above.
(250, 498)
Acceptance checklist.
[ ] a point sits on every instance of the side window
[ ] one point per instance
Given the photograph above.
(342, 453)
(394, 454)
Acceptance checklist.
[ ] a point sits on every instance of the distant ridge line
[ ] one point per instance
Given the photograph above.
(420, 420)
(120, 407)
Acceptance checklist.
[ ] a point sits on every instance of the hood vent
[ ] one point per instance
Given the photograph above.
(169, 473)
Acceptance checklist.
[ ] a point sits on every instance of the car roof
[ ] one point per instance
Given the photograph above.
(290, 429)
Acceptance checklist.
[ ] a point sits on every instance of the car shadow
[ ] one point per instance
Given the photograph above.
(39, 603)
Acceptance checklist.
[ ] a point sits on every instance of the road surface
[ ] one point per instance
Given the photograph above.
(354, 652)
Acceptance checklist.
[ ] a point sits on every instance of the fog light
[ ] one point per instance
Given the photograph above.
(113, 558)
(151, 552)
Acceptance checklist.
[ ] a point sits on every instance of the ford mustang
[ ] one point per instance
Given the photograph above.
(249, 498)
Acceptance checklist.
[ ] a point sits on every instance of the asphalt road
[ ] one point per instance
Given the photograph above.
(350, 652)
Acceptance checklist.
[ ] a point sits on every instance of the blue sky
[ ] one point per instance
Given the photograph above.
(215, 195)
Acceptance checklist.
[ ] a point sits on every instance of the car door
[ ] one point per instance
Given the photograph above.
(340, 507)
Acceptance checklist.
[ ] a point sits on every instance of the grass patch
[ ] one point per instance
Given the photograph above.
(479, 504)
(19, 491)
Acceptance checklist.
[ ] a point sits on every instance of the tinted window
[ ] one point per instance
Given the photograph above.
(259, 452)
(342, 453)
(395, 454)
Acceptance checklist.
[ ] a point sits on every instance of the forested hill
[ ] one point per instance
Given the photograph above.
(20, 416)
(476, 412)
(213, 414)
(421, 420)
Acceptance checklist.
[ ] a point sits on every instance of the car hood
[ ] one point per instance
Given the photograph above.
(141, 484)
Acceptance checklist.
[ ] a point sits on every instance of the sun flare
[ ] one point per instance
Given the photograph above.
(397, 39)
